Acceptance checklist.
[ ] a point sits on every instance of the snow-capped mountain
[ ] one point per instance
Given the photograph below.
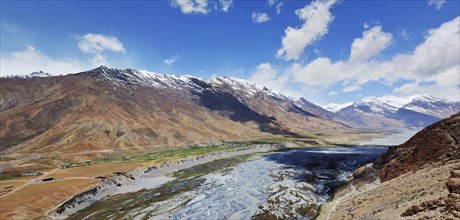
(335, 107)
(31, 75)
(138, 111)
(434, 106)
(184, 82)
(391, 111)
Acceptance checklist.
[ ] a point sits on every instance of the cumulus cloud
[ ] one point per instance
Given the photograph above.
(372, 42)
(278, 4)
(332, 93)
(405, 35)
(226, 4)
(267, 75)
(259, 17)
(316, 17)
(30, 59)
(191, 6)
(201, 6)
(171, 60)
(436, 3)
(98, 43)
(433, 64)
(278, 7)
(99, 59)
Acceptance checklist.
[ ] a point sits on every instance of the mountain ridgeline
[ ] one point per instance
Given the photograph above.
(391, 113)
(111, 112)
(105, 111)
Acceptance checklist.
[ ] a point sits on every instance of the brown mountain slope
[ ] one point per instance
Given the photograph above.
(419, 179)
(437, 142)
(110, 112)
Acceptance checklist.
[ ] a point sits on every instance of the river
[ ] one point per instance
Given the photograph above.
(289, 184)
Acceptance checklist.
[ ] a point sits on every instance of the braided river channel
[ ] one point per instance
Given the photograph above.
(284, 184)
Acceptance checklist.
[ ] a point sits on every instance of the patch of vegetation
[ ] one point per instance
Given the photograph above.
(8, 176)
(267, 141)
(206, 168)
(165, 156)
(362, 132)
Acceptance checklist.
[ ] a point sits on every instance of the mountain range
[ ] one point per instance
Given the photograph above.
(392, 113)
(111, 112)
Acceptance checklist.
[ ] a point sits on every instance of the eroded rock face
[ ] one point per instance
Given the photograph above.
(448, 205)
(436, 143)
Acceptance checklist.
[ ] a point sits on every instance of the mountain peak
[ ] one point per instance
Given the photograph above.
(335, 107)
(428, 98)
(39, 74)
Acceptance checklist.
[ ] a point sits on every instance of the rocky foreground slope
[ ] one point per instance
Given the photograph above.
(419, 179)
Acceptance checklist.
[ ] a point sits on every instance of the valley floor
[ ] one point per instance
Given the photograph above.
(24, 198)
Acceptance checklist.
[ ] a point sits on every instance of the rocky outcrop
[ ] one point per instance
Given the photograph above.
(436, 143)
(448, 205)
(419, 179)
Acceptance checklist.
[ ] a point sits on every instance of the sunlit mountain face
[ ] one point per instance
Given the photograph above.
(186, 109)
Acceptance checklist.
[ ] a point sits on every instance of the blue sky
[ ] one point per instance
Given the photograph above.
(325, 51)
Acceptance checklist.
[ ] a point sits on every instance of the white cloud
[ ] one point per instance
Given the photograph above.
(192, 6)
(351, 88)
(226, 4)
(98, 43)
(278, 7)
(171, 60)
(332, 93)
(267, 75)
(321, 72)
(31, 59)
(373, 41)
(277, 3)
(405, 34)
(414, 88)
(201, 6)
(259, 17)
(436, 3)
(316, 17)
(99, 59)
(432, 65)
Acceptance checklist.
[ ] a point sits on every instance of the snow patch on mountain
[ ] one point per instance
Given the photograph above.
(335, 107)
(31, 75)
(385, 104)
(153, 79)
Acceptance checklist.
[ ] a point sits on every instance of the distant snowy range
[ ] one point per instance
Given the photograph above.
(401, 116)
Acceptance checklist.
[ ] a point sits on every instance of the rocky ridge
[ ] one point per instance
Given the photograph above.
(415, 180)
(436, 143)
